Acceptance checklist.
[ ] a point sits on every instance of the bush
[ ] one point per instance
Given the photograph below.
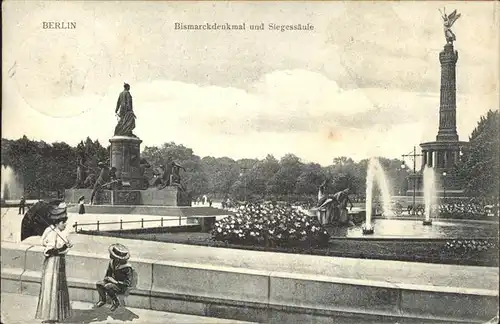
(270, 225)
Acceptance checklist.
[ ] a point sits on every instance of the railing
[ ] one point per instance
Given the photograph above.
(142, 221)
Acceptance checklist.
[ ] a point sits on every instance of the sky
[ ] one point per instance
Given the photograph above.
(365, 82)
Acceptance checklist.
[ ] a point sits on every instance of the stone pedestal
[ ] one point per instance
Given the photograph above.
(169, 196)
(125, 157)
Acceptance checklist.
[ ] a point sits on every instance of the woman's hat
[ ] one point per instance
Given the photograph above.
(57, 210)
(119, 251)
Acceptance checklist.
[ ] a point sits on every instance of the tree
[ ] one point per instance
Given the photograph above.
(286, 177)
(41, 166)
(342, 160)
(62, 164)
(49, 167)
(238, 189)
(309, 179)
(256, 179)
(480, 163)
(221, 174)
(23, 156)
(345, 173)
(268, 168)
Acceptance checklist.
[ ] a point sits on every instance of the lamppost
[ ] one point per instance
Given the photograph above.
(444, 186)
(412, 155)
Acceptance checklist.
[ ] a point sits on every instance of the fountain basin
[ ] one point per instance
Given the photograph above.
(406, 229)
(375, 247)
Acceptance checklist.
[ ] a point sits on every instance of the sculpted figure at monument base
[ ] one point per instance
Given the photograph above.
(160, 177)
(80, 174)
(89, 181)
(333, 209)
(107, 176)
(167, 176)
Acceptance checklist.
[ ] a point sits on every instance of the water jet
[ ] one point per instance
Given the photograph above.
(376, 172)
(11, 188)
(429, 194)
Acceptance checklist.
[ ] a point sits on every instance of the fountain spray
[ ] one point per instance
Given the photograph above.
(376, 172)
(11, 187)
(429, 193)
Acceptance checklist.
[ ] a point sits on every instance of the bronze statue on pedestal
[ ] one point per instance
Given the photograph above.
(124, 111)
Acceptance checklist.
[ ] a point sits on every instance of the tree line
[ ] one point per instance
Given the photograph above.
(46, 168)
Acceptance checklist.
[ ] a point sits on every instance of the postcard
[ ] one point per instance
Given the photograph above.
(250, 161)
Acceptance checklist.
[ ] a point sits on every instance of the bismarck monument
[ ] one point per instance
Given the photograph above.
(122, 179)
(445, 152)
(125, 146)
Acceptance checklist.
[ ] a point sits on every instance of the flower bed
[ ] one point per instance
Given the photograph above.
(270, 225)
(469, 246)
(462, 210)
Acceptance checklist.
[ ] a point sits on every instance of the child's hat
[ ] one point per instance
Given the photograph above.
(119, 251)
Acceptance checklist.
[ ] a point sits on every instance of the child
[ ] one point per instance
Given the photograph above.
(118, 278)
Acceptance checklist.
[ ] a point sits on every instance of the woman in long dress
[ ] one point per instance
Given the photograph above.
(81, 203)
(53, 300)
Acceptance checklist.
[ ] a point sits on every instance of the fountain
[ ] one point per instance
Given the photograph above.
(11, 188)
(376, 172)
(429, 194)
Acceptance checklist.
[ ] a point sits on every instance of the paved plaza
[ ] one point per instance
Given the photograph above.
(21, 308)
(11, 222)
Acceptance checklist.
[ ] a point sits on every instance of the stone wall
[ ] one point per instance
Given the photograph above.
(251, 295)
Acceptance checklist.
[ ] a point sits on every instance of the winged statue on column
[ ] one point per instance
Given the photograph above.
(448, 21)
